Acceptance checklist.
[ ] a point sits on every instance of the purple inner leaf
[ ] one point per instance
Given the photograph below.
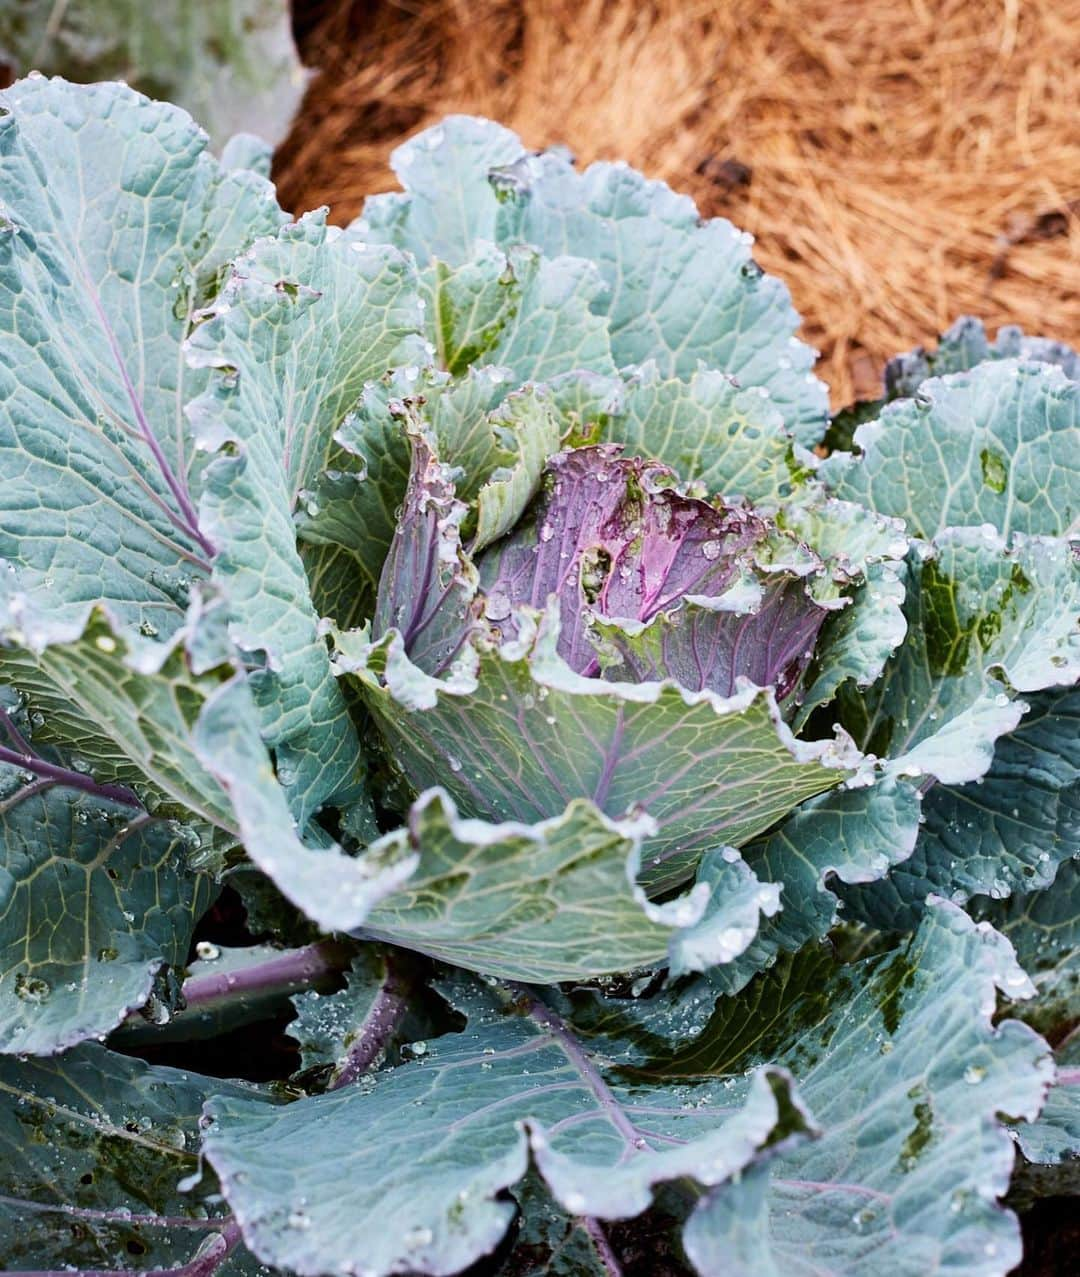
(611, 541)
(701, 648)
(614, 544)
(606, 538)
(423, 591)
(679, 547)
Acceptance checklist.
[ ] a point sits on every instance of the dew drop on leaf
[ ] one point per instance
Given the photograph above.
(497, 607)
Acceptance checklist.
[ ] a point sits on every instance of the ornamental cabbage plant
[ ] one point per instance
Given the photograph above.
(491, 778)
(231, 63)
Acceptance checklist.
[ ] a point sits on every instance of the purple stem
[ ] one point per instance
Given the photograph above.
(611, 759)
(205, 1265)
(189, 520)
(603, 1247)
(23, 756)
(590, 1074)
(556, 1026)
(8, 724)
(293, 970)
(380, 1024)
(114, 1216)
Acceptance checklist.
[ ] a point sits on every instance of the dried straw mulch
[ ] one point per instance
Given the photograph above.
(900, 161)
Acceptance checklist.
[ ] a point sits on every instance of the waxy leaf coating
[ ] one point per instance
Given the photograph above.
(680, 291)
(558, 900)
(524, 735)
(96, 898)
(443, 680)
(96, 501)
(994, 445)
(232, 63)
(446, 1132)
(96, 1150)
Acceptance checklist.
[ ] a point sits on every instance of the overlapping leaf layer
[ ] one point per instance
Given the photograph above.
(639, 808)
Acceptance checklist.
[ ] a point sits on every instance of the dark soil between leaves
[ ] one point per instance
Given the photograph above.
(1051, 1231)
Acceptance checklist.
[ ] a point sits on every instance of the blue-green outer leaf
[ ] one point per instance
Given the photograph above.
(447, 1132)
(993, 445)
(96, 505)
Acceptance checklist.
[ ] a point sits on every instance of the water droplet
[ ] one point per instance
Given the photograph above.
(206, 951)
(974, 1074)
(156, 1011)
(497, 607)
